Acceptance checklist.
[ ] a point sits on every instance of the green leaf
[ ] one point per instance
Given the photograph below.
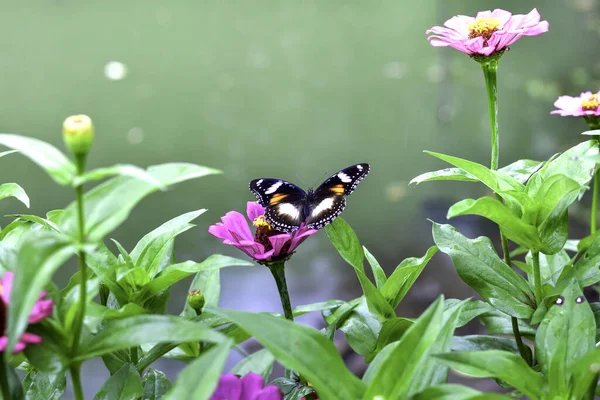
(155, 385)
(143, 329)
(14, 384)
(14, 190)
(44, 386)
(551, 266)
(321, 306)
(521, 170)
(513, 227)
(151, 249)
(109, 204)
(456, 392)
(38, 220)
(566, 334)
(346, 242)
(587, 268)
(378, 272)
(52, 355)
(509, 367)
(498, 323)
(391, 331)
(482, 342)
(395, 370)
(200, 378)
(40, 254)
(405, 275)
(126, 384)
(480, 267)
(119, 170)
(43, 154)
(495, 180)
(572, 163)
(260, 362)
(304, 350)
(469, 310)
(361, 328)
(446, 174)
(176, 272)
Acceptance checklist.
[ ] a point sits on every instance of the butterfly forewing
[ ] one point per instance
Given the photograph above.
(344, 182)
(283, 202)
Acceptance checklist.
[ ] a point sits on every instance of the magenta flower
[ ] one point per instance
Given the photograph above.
(490, 32)
(586, 105)
(250, 387)
(41, 310)
(266, 244)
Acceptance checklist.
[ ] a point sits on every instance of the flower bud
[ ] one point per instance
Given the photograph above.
(196, 300)
(78, 134)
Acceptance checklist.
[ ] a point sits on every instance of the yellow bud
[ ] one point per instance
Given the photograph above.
(78, 134)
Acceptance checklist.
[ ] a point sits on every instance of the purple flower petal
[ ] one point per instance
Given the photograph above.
(6, 288)
(229, 388)
(41, 310)
(236, 222)
(271, 392)
(278, 241)
(254, 210)
(300, 236)
(252, 384)
(3, 343)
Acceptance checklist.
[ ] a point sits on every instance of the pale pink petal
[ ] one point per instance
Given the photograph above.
(460, 24)
(483, 14)
(7, 281)
(236, 222)
(254, 210)
(41, 310)
(252, 385)
(501, 15)
(278, 241)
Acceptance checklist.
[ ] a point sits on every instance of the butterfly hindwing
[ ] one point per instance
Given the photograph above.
(324, 210)
(283, 202)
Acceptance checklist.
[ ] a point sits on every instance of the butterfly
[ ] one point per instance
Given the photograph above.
(287, 206)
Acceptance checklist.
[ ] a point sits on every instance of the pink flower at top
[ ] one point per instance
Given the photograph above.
(490, 32)
(41, 310)
(249, 387)
(266, 244)
(586, 105)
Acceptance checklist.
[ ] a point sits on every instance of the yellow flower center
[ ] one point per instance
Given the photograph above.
(591, 104)
(261, 222)
(483, 27)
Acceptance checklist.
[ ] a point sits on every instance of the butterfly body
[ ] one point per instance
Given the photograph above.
(287, 206)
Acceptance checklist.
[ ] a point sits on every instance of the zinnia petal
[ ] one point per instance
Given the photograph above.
(236, 222)
(278, 241)
(271, 392)
(41, 310)
(254, 210)
(229, 388)
(252, 385)
(300, 236)
(7, 281)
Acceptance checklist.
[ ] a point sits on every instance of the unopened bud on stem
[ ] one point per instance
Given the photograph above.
(196, 300)
(78, 134)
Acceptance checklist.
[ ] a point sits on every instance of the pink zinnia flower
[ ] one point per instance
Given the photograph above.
(488, 33)
(586, 105)
(266, 244)
(41, 310)
(250, 387)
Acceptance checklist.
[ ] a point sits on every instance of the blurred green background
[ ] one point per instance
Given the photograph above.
(292, 90)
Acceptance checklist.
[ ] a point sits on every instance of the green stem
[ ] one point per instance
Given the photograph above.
(76, 381)
(489, 72)
(78, 323)
(591, 393)
(5, 389)
(537, 280)
(520, 345)
(278, 271)
(594, 216)
(133, 355)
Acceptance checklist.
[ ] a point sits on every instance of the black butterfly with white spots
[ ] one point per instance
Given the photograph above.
(287, 206)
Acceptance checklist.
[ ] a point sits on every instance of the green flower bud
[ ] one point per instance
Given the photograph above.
(196, 300)
(78, 134)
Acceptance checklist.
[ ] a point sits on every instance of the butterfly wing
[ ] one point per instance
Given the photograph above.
(328, 200)
(283, 202)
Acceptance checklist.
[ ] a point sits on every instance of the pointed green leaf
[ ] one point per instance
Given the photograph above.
(39, 256)
(109, 204)
(378, 272)
(43, 154)
(521, 170)
(155, 385)
(509, 367)
(44, 386)
(480, 267)
(456, 392)
(405, 275)
(395, 372)
(587, 267)
(143, 329)
(304, 350)
(260, 362)
(566, 334)
(116, 170)
(126, 384)
(38, 220)
(200, 378)
(446, 174)
(14, 190)
(573, 164)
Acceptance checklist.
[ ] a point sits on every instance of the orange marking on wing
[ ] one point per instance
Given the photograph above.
(278, 198)
(338, 189)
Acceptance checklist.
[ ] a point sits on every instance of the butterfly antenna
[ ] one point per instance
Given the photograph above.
(299, 177)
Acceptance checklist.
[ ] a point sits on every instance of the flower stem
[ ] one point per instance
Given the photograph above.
(520, 345)
(78, 324)
(537, 284)
(5, 389)
(76, 381)
(594, 216)
(278, 270)
(489, 72)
